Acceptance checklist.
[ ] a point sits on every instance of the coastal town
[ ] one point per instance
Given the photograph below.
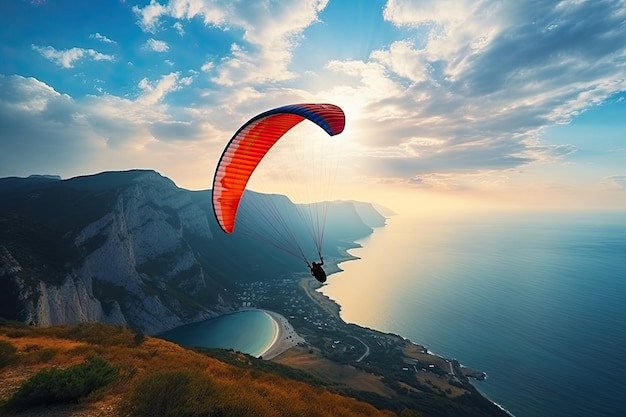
(364, 360)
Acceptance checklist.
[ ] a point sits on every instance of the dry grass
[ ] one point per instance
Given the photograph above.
(325, 369)
(428, 378)
(272, 394)
(440, 383)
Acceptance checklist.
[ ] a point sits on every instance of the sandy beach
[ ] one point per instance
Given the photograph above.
(310, 287)
(285, 337)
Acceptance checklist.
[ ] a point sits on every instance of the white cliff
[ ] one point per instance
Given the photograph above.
(136, 268)
(72, 303)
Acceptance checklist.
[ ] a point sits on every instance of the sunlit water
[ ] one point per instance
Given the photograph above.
(249, 331)
(538, 303)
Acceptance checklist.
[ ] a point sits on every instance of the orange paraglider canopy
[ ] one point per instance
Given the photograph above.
(252, 142)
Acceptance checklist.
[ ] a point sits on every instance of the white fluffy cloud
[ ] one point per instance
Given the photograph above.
(270, 33)
(68, 57)
(101, 38)
(462, 94)
(156, 45)
(469, 90)
(50, 130)
(153, 93)
(475, 86)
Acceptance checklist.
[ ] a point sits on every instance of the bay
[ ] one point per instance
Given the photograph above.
(247, 331)
(538, 302)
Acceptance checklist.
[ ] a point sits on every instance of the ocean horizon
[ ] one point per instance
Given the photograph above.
(535, 301)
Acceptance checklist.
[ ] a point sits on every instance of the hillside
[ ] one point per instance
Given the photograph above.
(153, 372)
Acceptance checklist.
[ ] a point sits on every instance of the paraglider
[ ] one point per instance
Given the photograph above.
(248, 147)
(317, 271)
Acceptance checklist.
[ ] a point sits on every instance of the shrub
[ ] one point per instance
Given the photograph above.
(7, 354)
(409, 413)
(139, 338)
(172, 393)
(46, 355)
(17, 333)
(55, 386)
(101, 334)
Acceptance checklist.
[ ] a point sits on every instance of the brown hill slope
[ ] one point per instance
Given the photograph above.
(142, 364)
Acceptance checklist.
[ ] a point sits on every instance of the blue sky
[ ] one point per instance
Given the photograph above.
(484, 102)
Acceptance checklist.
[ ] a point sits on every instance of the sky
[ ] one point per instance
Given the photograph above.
(448, 103)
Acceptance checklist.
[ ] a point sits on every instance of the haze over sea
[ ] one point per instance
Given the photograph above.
(538, 302)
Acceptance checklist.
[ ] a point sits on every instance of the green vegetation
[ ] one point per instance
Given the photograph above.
(59, 386)
(97, 334)
(43, 252)
(172, 393)
(7, 354)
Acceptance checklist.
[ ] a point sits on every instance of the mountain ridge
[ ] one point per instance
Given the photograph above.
(129, 248)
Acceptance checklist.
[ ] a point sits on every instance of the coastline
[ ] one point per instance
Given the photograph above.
(310, 287)
(309, 355)
(331, 306)
(285, 336)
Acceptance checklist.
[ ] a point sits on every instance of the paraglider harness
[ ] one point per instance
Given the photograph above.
(317, 271)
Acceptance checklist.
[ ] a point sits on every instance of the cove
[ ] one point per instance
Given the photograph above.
(248, 331)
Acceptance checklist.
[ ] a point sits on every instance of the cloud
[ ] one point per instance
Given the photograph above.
(68, 57)
(153, 93)
(179, 28)
(465, 93)
(475, 83)
(617, 181)
(420, 157)
(149, 15)
(52, 131)
(270, 33)
(156, 45)
(38, 126)
(207, 66)
(101, 38)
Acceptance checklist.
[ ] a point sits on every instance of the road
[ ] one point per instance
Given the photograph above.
(367, 350)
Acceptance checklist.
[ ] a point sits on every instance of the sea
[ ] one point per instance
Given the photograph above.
(248, 331)
(537, 301)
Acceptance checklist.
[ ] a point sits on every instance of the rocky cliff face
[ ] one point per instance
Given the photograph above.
(128, 248)
(135, 266)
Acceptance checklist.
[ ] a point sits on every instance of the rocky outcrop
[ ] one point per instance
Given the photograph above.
(71, 303)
